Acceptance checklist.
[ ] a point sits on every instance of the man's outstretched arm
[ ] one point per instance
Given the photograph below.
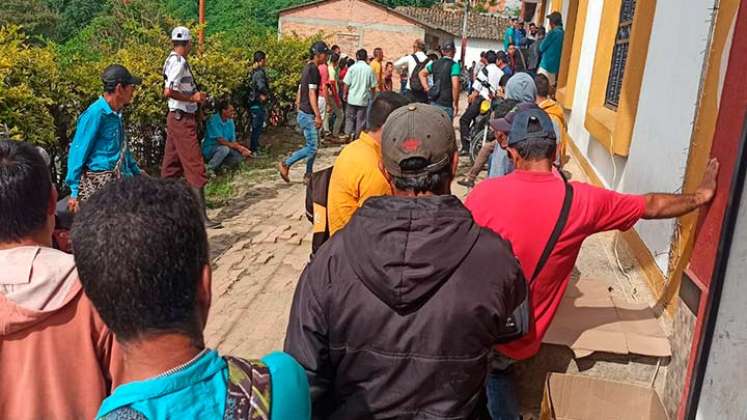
(665, 206)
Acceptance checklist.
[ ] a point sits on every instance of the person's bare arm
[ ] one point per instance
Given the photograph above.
(455, 87)
(314, 102)
(665, 206)
(298, 97)
(423, 76)
(197, 97)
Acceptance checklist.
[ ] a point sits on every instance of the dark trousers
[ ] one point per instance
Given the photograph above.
(355, 120)
(182, 154)
(258, 123)
(418, 96)
(465, 122)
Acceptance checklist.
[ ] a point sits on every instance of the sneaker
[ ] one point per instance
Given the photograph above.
(464, 152)
(284, 169)
(212, 224)
(306, 179)
(466, 182)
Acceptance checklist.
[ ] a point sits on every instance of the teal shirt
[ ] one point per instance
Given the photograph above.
(551, 48)
(199, 391)
(97, 144)
(217, 129)
(508, 37)
(360, 80)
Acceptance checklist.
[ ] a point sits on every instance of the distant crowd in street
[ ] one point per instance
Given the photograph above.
(414, 304)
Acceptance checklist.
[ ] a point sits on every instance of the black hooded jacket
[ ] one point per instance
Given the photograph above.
(395, 316)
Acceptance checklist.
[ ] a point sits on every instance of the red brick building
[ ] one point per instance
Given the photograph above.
(355, 24)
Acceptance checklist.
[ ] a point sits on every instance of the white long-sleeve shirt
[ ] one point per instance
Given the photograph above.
(409, 62)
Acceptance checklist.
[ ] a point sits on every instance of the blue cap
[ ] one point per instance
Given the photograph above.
(520, 127)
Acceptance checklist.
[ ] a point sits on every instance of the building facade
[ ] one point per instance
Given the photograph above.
(355, 24)
(642, 85)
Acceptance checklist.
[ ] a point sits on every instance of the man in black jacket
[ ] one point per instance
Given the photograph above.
(259, 93)
(396, 314)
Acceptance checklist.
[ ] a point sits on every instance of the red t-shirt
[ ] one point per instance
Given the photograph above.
(324, 72)
(523, 207)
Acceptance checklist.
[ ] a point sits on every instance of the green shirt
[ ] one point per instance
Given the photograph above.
(455, 70)
(360, 80)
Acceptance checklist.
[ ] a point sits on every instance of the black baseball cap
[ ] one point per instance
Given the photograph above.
(449, 46)
(319, 47)
(521, 130)
(117, 74)
(417, 131)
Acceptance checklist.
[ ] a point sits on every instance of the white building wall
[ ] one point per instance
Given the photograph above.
(475, 46)
(666, 111)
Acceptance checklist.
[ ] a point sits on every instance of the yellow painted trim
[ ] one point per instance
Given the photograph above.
(571, 56)
(654, 277)
(622, 129)
(556, 6)
(700, 146)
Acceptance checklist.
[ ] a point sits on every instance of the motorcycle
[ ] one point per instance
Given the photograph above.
(480, 132)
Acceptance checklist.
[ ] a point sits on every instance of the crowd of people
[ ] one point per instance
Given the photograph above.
(417, 306)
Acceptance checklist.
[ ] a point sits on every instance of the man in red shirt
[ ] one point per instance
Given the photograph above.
(523, 207)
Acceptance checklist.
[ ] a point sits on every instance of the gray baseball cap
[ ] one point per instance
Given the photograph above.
(417, 131)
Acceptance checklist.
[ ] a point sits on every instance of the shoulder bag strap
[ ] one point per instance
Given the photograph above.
(559, 226)
(417, 61)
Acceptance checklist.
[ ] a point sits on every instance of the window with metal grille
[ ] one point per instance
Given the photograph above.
(620, 54)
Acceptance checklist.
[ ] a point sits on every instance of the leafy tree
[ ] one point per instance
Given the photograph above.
(33, 16)
(74, 15)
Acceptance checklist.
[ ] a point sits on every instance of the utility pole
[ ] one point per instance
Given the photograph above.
(464, 32)
(201, 34)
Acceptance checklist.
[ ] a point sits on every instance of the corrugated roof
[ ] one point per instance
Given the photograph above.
(478, 25)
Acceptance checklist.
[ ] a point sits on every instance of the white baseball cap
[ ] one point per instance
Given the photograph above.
(180, 33)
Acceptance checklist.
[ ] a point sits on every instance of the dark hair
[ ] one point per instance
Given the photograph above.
(180, 43)
(222, 105)
(532, 24)
(384, 104)
(259, 56)
(536, 148)
(335, 47)
(361, 54)
(542, 84)
(492, 57)
(436, 183)
(541, 30)
(334, 58)
(555, 19)
(25, 187)
(504, 80)
(140, 247)
(511, 44)
(377, 49)
(350, 62)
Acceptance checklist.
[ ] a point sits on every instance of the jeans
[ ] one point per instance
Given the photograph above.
(258, 123)
(355, 119)
(500, 164)
(499, 387)
(311, 134)
(223, 156)
(447, 109)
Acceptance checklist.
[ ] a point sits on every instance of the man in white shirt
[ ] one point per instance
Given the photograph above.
(410, 62)
(182, 154)
(484, 88)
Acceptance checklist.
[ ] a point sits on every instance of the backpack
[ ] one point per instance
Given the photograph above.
(316, 207)
(248, 395)
(415, 84)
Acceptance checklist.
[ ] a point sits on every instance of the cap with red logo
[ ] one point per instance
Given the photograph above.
(417, 131)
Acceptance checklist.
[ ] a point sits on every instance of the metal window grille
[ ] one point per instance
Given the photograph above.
(620, 54)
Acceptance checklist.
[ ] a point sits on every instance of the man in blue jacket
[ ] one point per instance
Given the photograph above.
(551, 48)
(99, 153)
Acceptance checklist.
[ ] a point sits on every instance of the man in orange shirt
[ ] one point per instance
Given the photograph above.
(356, 175)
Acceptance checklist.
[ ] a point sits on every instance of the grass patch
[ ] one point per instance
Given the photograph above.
(227, 185)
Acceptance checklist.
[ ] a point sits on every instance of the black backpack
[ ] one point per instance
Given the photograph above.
(415, 84)
(316, 207)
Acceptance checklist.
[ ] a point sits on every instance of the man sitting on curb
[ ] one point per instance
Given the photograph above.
(536, 196)
(395, 316)
(142, 253)
(356, 175)
(220, 147)
(57, 358)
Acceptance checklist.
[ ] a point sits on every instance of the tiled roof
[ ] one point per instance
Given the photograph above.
(478, 25)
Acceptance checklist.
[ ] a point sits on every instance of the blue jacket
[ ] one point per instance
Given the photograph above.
(97, 144)
(551, 48)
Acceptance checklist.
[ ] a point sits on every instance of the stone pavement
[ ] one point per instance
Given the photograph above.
(257, 259)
